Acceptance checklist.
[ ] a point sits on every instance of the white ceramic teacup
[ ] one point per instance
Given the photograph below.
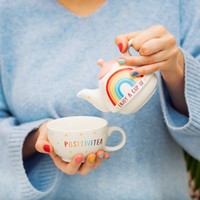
(70, 136)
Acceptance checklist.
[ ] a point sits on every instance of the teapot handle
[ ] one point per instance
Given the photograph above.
(127, 53)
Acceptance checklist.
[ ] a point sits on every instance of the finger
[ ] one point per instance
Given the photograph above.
(122, 40)
(99, 158)
(153, 46)
(145, 60)
(147, 69)
(148, 34)
(157, 44)
(88, 165)
(106, 156)
(101, 155)
(68, 168)
(42, 144)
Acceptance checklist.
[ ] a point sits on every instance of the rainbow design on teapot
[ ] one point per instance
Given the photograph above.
(115, 82)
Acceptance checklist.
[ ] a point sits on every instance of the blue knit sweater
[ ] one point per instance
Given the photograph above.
(48, 54)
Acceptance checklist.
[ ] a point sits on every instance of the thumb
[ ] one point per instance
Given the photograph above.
(42, 144)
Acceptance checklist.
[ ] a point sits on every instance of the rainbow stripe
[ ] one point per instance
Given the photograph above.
(115, 81)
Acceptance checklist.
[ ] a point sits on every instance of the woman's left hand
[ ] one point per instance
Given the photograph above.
(158, 51)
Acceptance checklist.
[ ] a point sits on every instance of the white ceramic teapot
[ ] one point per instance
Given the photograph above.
(119, 91)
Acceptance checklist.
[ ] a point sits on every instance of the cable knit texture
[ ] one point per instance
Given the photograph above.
(48, 54)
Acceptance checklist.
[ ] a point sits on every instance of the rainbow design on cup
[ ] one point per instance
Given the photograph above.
(115, 81)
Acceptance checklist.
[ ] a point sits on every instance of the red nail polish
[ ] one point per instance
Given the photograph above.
(120, 46)
(46, 148)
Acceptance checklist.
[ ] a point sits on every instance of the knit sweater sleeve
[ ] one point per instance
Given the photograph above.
(186, 130)
(18, 178)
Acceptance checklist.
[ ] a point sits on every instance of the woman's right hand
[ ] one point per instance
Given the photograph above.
(76, 166)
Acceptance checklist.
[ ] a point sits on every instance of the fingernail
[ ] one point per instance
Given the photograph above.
(134, 74)
(91, 159)
(121, 61)
(101, 156)
(79, 159)
(106, 156)
(120, 46)
(46, 148)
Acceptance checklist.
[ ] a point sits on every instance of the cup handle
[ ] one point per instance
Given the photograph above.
(111, 129)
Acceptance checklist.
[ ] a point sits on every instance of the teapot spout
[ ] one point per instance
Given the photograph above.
(93, 96)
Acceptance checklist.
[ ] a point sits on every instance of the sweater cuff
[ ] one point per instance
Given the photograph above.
(177, 122)
(46, 170)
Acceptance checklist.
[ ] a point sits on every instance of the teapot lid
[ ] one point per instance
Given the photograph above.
(105, 67)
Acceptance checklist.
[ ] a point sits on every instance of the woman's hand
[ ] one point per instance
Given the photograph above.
(92, 161)
(158, 51)
(157, 48)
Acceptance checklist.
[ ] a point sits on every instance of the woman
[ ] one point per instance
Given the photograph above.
(48, 53)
